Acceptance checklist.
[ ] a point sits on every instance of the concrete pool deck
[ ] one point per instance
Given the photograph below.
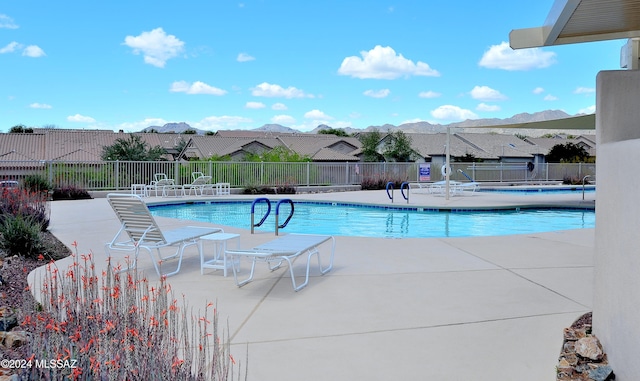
(482, 308)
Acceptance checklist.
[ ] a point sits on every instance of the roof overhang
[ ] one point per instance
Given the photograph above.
(574, 21)
(582, 122)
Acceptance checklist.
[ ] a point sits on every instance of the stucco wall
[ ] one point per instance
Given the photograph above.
(616, 316)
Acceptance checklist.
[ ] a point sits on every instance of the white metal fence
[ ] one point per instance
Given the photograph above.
(116, 175)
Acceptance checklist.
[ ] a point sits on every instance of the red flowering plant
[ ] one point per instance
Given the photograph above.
(119, 326)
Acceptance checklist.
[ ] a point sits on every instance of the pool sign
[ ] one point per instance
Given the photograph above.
(424, 172)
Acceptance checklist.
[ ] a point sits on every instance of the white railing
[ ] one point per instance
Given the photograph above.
(117, 175)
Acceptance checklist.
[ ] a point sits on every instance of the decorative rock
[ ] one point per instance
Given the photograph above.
(15, 339)
(6, 323)
(602, 373)
(572, 334)
(590, 347)
(563, 364)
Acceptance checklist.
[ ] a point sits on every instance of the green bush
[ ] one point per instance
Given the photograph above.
(20, 236)
(36, 183)
(70, 193)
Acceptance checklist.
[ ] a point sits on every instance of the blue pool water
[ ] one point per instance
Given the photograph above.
(364, 221)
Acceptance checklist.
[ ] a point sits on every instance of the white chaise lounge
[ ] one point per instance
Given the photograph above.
(139, 230)
(285, 248)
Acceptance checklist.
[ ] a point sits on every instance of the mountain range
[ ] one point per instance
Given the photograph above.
(414, 127)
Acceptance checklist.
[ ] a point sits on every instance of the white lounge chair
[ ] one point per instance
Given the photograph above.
(161, 183)
(139, 230)
(199, 184)
(285, 248)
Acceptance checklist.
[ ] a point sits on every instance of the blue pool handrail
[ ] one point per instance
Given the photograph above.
(284, 224)
(402, 187)
(390, 185)
(253, 205)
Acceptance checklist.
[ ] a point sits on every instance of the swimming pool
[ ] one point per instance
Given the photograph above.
(372, 221)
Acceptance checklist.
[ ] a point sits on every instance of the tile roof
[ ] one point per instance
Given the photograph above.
(86, 145)
(428, 145)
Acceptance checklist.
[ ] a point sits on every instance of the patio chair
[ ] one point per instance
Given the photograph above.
(285, 248)
(139, 230)
(159, 183)
(201, 184)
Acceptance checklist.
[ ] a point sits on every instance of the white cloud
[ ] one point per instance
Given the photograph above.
(40, 105)
(487, 108)
(453, 113)
(550, 97)
(485, 93)
(429, 94)
(7, 22)
(254, 105)
(221, 122)
(588, 110)
(279, 106)
(244, 57)
(283, 119)
(538, 90)
(195, 88)
(317, 115)
(377, 93)
(584, 90)
(11, 47)
(80, 118)
(276, 91)
(503, 57)
(33, 51)
(383, 63)
(156, 46)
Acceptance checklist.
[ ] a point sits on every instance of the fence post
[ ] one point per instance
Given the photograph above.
(308, 173)
(117, 174)
(346, 173)
(176, 172)
(580, 170)
(501, 170)
(547, 172)
(50, 175)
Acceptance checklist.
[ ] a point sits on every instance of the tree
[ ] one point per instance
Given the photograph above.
(370, 141)
(567, 153)
(20, 129)
(190, 132)
(132, 149)
(276, 155)
(398, 147)
(333, 131)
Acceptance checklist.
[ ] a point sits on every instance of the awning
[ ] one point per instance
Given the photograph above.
(573, 21)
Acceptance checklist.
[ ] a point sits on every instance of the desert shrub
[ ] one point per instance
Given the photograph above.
(30, 205)
(379, 182)
(70, 193)
(20, 236)
(253, 189)
(118, 326)
(285, 189)
(571, 180)
(36, 183)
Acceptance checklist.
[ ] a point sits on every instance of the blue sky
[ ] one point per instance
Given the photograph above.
(242, 64)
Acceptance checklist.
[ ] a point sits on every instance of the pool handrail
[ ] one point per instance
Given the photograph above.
(390, 185)
(402, 187)
(253, 204)
(284, 224)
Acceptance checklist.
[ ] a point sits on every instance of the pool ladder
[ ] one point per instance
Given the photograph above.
(264, 218)
(403, 186)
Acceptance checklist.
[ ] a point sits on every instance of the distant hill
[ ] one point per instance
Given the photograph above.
(176, 128)
(414, 127)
